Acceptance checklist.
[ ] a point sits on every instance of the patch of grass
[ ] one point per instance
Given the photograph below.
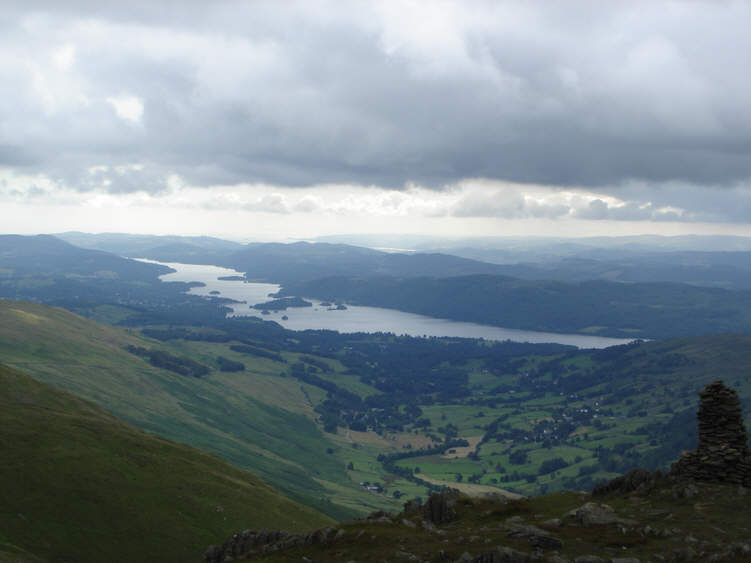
(81, 485)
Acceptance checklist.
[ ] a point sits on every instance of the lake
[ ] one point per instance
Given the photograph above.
(355, 318)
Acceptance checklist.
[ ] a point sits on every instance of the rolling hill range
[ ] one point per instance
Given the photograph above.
(111, 289)
(81, 485)
(94, 283)
(259, 421)
(278, 262)
(729, 270)
(622, 259)
(44, 255)
(284, 263)
(189, 250)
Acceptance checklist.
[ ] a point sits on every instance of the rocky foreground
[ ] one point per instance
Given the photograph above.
(696, 512)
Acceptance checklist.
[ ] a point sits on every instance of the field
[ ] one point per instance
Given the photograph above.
(348, 433)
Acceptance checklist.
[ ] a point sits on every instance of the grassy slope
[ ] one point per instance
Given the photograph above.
(80, 485)
(218, 413)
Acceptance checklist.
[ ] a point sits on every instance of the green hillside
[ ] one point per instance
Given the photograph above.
(224, 413)
(80, 485)
(401, 414)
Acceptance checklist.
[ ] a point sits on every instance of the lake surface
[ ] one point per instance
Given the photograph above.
(355, 318)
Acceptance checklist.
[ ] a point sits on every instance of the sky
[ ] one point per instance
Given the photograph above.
(281, 120)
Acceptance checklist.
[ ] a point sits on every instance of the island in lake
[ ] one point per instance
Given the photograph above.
(333, 306)
(283, 303)
(231, 278)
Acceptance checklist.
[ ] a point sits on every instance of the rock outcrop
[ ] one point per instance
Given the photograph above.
(265, 541)
(722, 454)
(516, 533)
(593, 514)
(503, 555)
(635, 480)
(439, 509)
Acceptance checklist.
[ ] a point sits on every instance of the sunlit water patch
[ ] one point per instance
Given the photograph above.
(355, 318)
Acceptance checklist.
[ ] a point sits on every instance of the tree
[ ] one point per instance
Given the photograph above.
(518, 457)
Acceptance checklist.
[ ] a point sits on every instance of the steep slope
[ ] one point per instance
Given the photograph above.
(80, 485)
(219, 413)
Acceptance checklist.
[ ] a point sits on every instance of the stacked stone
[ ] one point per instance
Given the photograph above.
(439, 509)
(723, 453)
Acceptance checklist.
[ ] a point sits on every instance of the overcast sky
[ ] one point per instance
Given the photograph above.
(270, 120)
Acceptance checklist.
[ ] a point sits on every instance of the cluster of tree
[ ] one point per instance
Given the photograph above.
(256, 351)
(182, 333)
(165, 360)
(226, 364)
(282, 304)
(388, 461)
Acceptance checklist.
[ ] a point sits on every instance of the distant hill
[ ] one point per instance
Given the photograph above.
(99, 284)
(45, 255)
(713, 261)
(302, 261)
(80, 485)
(729, 270)
(168, 248)
(541, 246)
(643, 310)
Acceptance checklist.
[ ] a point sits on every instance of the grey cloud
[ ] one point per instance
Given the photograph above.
(707, 203)
(273, 203)
(296, 94)
(306, 205)
(15, 156)
(120, 179)
(506, 205)
(629, 211)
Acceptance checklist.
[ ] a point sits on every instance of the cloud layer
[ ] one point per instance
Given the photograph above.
(625, 110)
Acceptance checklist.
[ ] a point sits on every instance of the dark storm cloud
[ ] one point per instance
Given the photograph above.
(566, 94)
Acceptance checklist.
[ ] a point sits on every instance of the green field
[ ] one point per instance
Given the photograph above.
(544, 423)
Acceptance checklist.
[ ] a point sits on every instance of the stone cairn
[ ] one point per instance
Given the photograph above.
(439, 509)
(722, 454)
